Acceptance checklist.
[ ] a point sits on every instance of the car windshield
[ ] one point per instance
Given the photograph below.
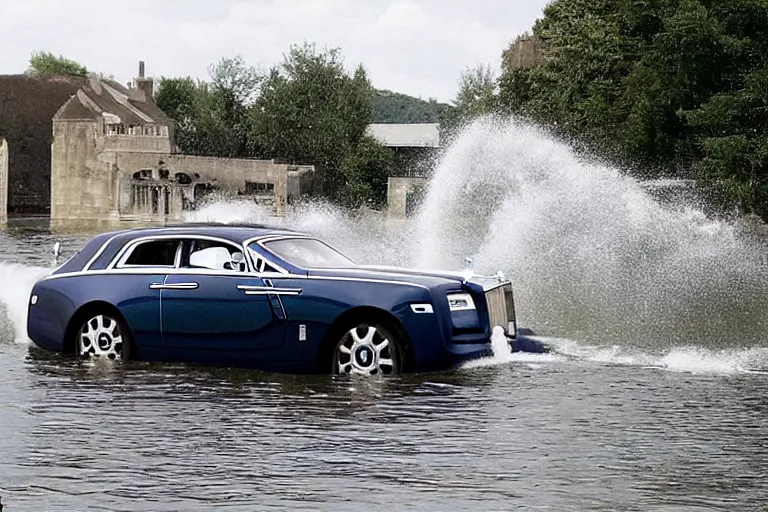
(308, 253)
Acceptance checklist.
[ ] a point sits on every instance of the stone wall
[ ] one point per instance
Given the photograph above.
(229, 175)
(136, 143)
(3, 181)
(83, 188)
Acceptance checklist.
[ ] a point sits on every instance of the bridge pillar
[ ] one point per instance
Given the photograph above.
(3, 181)
(400, 194)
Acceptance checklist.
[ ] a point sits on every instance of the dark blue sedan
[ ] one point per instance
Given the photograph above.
(264, 298)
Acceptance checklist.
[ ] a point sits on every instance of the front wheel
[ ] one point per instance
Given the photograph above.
(368, 349)
(103, 335)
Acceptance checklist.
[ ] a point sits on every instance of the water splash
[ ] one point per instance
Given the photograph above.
(17, 282)
(592, 254)
(229, 211)
(683, 359)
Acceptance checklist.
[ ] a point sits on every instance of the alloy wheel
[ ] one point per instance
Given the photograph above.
(101, 336)
(367, 350)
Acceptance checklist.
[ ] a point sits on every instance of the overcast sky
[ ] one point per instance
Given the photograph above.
(418, 47)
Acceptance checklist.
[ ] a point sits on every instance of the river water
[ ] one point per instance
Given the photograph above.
(655, 398)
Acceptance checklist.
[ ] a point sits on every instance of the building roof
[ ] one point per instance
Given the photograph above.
(100, 97)
(417, 135)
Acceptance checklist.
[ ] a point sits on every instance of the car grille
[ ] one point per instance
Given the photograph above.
(501, 306)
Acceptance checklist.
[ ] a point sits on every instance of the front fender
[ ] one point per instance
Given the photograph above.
(323, 301)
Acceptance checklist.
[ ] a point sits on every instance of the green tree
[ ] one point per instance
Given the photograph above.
(365, 169)
(310, 110)
(46, 63)
(477, 96)
(615, 76)
(212, 117)
(734, 131)
(477, 92)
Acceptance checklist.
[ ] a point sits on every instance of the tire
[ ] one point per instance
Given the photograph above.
(103, 335)
(368, 348)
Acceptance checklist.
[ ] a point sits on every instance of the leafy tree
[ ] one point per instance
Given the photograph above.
(311, 111)
(308, 109)
(477, 96)
(660, 85)
(477, 92)
(365, 170)
(212, 118)
(46, 63)
(734, 127)
(237, 78)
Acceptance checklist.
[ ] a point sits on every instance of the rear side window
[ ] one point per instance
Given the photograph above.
(160, 253)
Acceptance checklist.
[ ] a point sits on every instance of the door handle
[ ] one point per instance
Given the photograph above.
(267, 290)
(175, 286)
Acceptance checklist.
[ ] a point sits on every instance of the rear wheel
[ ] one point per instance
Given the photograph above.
(103, 335)
(368, 349)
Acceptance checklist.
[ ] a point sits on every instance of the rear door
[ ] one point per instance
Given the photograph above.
(218, 314)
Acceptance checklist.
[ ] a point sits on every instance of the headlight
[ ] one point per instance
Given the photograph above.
(461, 302)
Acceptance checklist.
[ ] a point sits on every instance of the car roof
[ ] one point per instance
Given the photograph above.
(237, 233)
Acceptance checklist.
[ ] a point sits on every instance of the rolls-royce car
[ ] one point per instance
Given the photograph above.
(265, 298)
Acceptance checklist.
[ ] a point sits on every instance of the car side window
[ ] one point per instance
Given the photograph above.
(213, 255)
(158, 253)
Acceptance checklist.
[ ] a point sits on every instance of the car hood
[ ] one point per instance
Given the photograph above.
(429, 278)
(426, 278)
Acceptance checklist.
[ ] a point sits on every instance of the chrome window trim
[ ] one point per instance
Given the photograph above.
(225, 273)
(129, 248)
(119, 259)
(264, 240)
(111, 239)
(250, 256)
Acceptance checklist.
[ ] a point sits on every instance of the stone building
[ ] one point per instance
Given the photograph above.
(111, 159)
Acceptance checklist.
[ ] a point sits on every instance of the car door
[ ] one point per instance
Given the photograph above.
(218, 315)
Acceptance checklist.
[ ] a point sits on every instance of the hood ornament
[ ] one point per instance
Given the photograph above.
(56, 252)
(469, 272)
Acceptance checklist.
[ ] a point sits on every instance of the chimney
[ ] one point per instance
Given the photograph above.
(143, 84)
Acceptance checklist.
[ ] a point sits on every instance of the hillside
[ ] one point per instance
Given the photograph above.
(392, 107)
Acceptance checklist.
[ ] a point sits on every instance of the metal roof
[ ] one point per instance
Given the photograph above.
(417, 135)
